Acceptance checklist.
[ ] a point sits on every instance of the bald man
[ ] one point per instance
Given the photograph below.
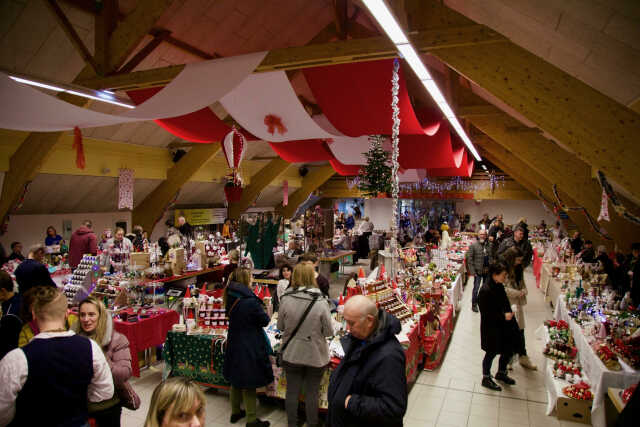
(370, 384)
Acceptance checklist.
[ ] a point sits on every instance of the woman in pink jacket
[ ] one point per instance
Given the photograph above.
(96, 323)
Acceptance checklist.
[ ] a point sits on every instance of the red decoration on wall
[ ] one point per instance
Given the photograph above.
(77, 145)
(274, 124)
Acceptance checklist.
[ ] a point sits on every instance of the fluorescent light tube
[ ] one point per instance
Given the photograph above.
(109, 101)
(387, 21)
(446, 110)
(433, 90)
(411, 56)
(38, 84)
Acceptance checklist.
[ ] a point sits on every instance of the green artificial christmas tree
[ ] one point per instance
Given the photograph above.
(375, 176)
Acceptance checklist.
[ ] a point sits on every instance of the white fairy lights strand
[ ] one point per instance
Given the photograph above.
(395, 181)
(382, 14)
(455, 184)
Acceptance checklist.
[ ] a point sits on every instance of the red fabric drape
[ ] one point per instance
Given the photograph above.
(344, 170)
(356, 98)
(311, 150)
(465, 169)
(200, 126)
(422, 151)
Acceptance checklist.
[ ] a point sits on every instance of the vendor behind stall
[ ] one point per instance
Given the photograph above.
(53, 238)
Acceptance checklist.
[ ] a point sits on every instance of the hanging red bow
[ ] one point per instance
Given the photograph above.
(274, 124)
(77, 145)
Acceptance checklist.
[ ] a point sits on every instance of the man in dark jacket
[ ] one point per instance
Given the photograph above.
(83, 241)
(478, 257)
(369, 387)
(10, 322)
(588, 254)
(520, 242)
(32, 271)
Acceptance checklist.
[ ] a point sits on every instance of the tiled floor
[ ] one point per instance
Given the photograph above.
(450, 396)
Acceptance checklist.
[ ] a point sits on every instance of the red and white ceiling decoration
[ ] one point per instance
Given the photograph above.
(354, 99)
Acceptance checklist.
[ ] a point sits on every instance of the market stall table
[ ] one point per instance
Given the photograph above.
(339, 257)
(215, 271)
(146, 332)
(436, 340)
(599, 376)
(201, 358)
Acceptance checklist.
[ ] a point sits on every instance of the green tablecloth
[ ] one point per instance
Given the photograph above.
(199, 357)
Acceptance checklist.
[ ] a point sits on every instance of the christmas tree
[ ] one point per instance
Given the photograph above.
(375, 176)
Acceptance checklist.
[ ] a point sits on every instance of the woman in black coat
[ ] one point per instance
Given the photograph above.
(498, 328)
(246, 360)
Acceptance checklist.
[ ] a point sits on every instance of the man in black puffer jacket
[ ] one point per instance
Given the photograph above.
(370, 385)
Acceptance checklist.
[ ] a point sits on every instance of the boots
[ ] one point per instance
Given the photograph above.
(525, 362)
(258, 423)
(490, 384)
(503, 377)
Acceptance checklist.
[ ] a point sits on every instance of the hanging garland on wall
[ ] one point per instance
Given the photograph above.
(601, 231)
(454, 184)
(617, 206)
(375, 176)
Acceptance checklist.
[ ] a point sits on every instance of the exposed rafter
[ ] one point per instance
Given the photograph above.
(344, 51)
(310, 183)
(261, 180)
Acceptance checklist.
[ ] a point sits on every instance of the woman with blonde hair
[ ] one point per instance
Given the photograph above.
(176, 402)
(305, 321)
(246, 360)
(96, 323)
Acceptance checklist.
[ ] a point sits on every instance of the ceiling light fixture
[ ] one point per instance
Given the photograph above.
(104, 95)
(385, 18)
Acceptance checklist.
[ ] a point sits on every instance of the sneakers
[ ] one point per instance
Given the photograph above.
(474, 307)
(489, 383)
(237, 417)
(525, 362)
(259, 423)
(503, 377)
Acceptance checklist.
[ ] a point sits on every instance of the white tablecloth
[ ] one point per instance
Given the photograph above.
(455, 291)
(599, 376)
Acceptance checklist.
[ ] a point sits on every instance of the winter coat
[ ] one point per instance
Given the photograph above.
(373, 373)
(512, 287)
(350, 223)
(475, 256)
(523, 245)
(309, 346)
(83, 241)
(496, 333)
(246, 360)
(115, 347)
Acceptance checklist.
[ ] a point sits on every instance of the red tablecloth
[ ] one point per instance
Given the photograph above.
(146, 333)
(436, 344)
(537, 266)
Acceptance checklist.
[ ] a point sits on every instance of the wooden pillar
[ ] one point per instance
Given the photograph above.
(153, 206)
(310, 183)
(263, 178)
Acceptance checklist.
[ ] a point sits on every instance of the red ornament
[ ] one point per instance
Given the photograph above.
(77, 145)
(274, 124)
(341, 301)
(361, 274)
(232, 193)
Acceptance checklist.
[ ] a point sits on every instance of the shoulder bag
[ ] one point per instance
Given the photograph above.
(280, 352)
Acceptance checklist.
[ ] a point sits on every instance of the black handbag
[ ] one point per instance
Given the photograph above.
(280, 352)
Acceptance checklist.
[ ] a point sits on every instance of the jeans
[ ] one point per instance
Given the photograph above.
(488, 360)
(296, 376)
(248, 397)
(478, 280)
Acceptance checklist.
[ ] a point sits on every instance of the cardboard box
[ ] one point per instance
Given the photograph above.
(140, 259)
(176, 257)
(578, 411)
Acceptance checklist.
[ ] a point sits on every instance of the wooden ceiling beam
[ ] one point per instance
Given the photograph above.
(26, 161)
(105, 22)
(310, 183)
(158, 38)
(600, 130)
(340, 9)
(184, 46)
(534, 182)
(151, 209)
(261, 180)
(73, 36)
(345, 51)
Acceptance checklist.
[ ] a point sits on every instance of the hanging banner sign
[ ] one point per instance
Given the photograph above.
(201, 216)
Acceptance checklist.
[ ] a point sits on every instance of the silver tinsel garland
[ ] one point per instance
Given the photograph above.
(395, 181)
